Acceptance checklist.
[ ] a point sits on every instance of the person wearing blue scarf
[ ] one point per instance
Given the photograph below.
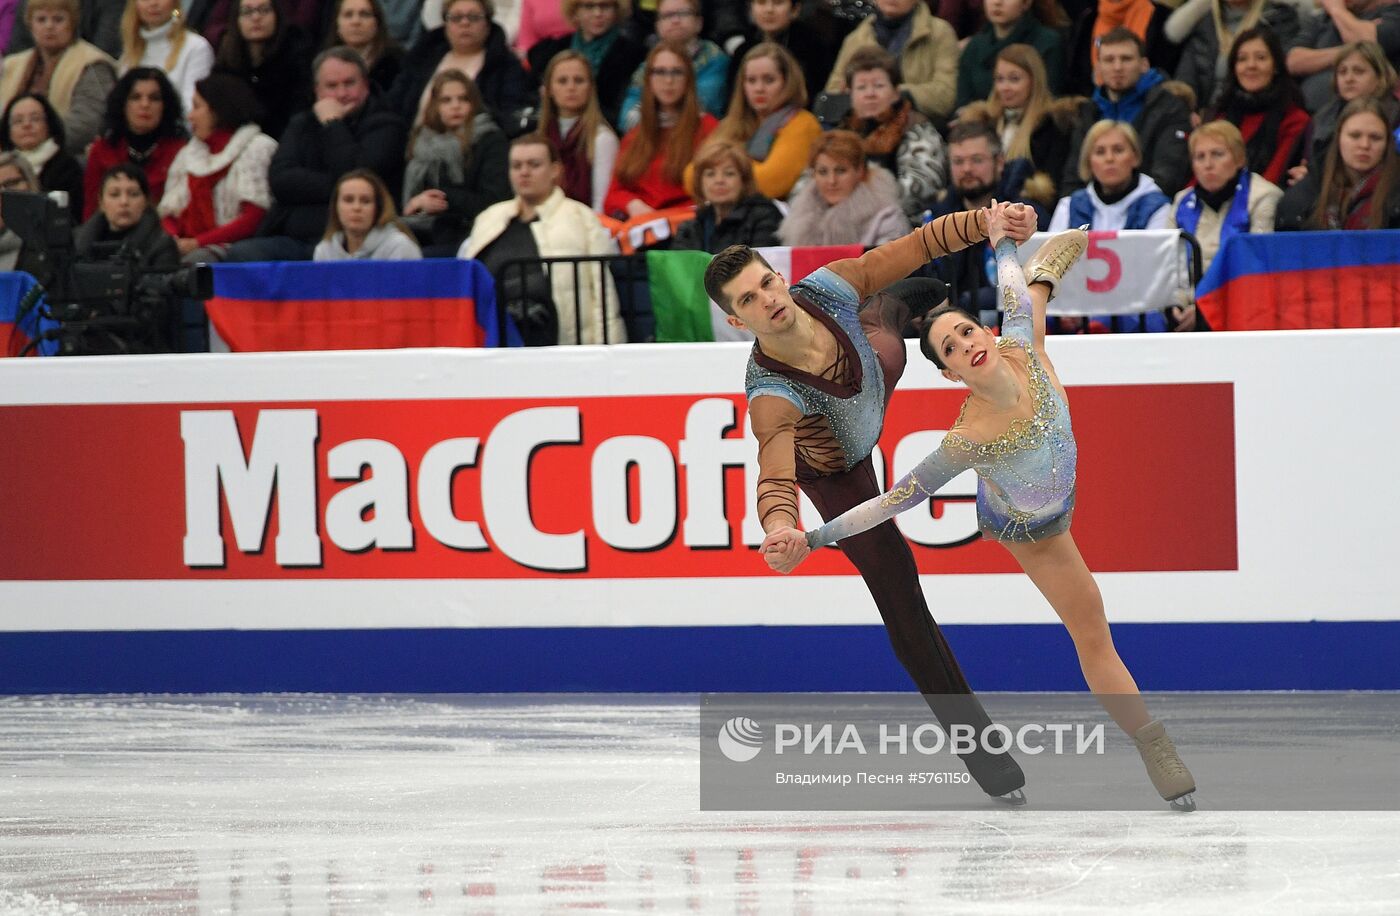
(1227, 200)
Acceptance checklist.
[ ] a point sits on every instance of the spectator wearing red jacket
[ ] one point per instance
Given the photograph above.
(144, 125)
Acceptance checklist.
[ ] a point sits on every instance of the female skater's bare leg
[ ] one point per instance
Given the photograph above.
(1058, 570)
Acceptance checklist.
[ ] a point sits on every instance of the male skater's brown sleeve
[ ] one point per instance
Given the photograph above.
(879, 267)
(774, 422)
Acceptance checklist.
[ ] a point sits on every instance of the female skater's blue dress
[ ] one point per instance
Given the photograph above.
(1025, 476)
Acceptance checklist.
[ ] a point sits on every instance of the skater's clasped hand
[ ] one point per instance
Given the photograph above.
(784, 549)
(1010, 220)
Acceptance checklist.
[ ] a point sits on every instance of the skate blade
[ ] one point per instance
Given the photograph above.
(1015, 798)
(1185, 802)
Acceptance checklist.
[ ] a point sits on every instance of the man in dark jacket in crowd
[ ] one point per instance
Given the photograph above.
(346, 129)
(977, 175)
(1131, 90)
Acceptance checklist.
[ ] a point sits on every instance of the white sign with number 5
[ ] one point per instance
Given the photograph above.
(1122, 273)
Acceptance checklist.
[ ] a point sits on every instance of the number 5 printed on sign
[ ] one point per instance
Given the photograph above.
(1097, 251)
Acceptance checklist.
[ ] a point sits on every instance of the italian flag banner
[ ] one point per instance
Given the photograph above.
(684, 313)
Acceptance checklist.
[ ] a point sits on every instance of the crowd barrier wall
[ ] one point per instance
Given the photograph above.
(582, 518)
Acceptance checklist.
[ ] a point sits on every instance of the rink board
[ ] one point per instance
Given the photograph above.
(582, 519)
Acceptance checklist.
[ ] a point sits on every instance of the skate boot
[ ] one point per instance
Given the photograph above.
(1169, 775)
(1053, 260)
(999, 775)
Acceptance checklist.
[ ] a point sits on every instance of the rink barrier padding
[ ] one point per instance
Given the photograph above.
(1357, 655)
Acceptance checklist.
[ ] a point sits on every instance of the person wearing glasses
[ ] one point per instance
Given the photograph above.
(73, 75)
(471, 42)
(601, 37)
(15, 175)
(211, 17)
(267, 51)
(679, 22)
(33, 129)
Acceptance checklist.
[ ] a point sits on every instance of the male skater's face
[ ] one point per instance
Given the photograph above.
(760, 299)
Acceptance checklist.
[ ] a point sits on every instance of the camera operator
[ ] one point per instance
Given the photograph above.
(125, 226)
(15, 175)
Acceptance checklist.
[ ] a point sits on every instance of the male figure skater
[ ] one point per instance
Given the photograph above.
(828, 354)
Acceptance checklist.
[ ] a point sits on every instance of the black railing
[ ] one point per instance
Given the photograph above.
(629, 275)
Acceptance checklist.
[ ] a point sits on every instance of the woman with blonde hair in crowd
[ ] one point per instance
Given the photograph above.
(572, 119)
(847, 202)
(363, 225)
(1118, 194)
(601, 38)
(154, 35)
(75, 76)
(767, 116)
(895, 134)
(1362, 70)
(456, 164)
(654, 156)
(730, 209)
(1034, 126)
(1358, 186)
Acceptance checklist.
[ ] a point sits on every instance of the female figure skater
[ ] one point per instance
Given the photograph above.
(1014, 430)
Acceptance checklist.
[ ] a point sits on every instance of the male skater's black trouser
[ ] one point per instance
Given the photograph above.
(886, 563)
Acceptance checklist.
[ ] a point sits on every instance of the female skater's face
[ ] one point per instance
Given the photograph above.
(966, 348)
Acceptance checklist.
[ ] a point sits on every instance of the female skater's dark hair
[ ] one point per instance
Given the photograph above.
(924, 323)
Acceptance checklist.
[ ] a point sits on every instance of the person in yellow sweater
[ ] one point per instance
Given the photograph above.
(768, 117)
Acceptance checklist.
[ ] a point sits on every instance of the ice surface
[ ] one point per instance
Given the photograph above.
(309, 804)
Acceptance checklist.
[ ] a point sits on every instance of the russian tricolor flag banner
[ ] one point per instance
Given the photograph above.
(685, 313)
(356, 305)
(1286, 280)
(21, 327)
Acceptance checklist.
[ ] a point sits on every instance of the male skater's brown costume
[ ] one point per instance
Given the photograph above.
(817, 432)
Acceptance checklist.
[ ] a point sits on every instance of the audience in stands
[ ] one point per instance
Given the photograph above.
(362, 225)
(212, 17)
(679, 22)
(75, 76)
(730, 210)
(1132, 92)
(1361, 70)
(347, 128)
(34, 130)
(125, 225)
(926, 47)
(1321, 37)
(218, 192)
(779, 21)
(977, 176)
(15, 175)
(99, 23)
(1117, 194)
(1261, 99)
(1206, 31)
(265, 50)
(456, 165)
(654, 155)
(572, 119)
(1227, 198)
(542, 222)
(896, 136)
(600, 38)
(144, 125)
(540, 20)
(154, 34)
(768, 116)
(1358, 184)
(470, 41)
(847, 201)
(1012, 22)
(363, 26)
